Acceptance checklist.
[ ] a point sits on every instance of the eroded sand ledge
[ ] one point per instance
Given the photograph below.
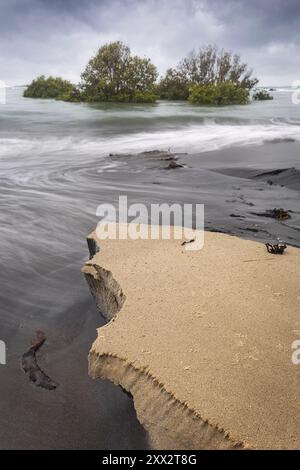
(201, 339)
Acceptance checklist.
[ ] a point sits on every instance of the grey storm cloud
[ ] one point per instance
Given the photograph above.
(59, 36)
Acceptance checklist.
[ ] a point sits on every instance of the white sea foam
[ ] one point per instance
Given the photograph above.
(195, 138)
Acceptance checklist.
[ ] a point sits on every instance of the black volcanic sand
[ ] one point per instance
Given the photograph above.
(46, 217)
(235, 196)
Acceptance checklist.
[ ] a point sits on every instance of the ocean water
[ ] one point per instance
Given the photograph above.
(60, 131)
(58, 161)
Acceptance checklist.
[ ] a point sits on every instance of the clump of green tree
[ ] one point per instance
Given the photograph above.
(205, 74)
(114, 74)
(218, 94)
(51, 87)
(262, 95)
(174, 85)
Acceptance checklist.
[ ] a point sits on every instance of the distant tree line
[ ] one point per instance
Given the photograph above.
(207, 76)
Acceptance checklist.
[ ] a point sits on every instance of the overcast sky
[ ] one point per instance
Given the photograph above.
(59, 36)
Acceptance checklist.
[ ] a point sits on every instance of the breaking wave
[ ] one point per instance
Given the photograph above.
(202, 138)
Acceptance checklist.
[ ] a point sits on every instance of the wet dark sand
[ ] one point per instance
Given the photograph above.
(80, 413)
(44, 224)
(234, 185)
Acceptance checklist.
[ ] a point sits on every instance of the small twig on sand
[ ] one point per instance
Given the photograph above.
(185, 242)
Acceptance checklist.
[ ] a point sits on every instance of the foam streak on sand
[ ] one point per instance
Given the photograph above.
(202, 340)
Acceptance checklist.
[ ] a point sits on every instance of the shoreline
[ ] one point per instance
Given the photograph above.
(237, 186)
(44, 289)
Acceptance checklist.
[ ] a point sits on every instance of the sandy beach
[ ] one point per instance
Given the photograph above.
(201, 339)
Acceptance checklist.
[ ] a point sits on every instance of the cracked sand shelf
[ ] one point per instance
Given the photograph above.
(200, 339)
